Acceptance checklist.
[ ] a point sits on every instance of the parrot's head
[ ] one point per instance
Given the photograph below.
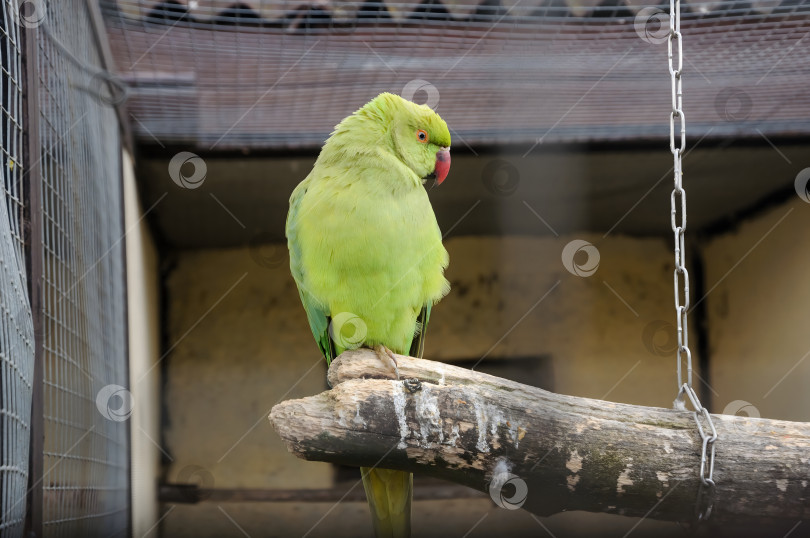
(413, 133)
(419, 136)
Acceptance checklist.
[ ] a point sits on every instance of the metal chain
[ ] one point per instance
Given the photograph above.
(678, 198)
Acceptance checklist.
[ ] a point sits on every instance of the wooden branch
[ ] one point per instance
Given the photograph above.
(572, 453)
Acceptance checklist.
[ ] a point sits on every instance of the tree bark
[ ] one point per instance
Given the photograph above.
(571, 453)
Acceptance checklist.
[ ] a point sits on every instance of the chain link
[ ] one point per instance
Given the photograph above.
(681, 276)
(707, 441)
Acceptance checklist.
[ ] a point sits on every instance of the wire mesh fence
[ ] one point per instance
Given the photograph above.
(16, 323)
(280, 73)
(81, 339)
(86, 483)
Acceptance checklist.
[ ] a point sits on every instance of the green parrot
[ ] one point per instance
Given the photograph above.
(366, 252)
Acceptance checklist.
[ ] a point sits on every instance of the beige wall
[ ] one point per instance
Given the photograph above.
(240, 343)
(592, 329)
(144, 349)
(758, 314)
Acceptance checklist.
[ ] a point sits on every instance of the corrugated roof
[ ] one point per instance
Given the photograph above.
(280, 74)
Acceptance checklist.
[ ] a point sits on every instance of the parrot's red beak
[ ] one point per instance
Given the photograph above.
(442, 165)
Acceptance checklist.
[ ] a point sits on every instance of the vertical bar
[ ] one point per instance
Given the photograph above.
(108, 63)
(32, 196)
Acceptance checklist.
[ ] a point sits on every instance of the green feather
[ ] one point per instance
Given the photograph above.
(316, 314)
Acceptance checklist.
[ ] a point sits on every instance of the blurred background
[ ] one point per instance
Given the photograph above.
(149, 320)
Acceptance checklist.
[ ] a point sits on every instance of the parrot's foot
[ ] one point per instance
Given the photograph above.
(387, 357)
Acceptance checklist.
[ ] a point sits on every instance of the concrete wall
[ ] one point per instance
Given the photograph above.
(239, 342)
(758, 312)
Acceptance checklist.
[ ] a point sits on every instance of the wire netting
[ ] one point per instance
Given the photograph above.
(281, 73)
(86, 469)
(16, 324)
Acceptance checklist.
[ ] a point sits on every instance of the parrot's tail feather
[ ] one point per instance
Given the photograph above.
(389, 495)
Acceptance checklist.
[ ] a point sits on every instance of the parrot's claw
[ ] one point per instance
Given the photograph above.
(387, 357)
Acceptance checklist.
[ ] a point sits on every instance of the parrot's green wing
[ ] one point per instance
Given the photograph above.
(319, 323)
(317, 317)
(418, 343)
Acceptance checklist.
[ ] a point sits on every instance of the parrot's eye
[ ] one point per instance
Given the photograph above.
(422, 136)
